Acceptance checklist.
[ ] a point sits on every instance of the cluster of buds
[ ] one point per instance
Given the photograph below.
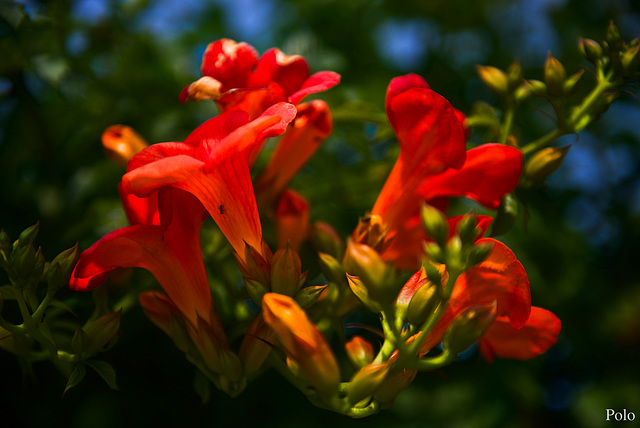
(43, 332)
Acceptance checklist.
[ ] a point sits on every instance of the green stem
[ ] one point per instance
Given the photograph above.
(432, 321)
(604, 84)
(507, 124)
(434, 363)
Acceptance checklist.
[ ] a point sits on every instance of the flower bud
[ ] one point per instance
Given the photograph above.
(467, 229)
(28, 235)
(285, 271)
(506, 215)
(434, 252)
(514, 75)
(479, 253)
(468, 327)
(307, 296)
(362, 293)
(367, 381)
(121, 143)
(327, 240)
(359, 351)
(331, 268)
(61, 267)
(494, 78)
(554, 76)
(303, 343)
(254, 266)
(613, 37)
(97, 335)
(629, 59)
(392, 386)
(571, 84)
(543, 163)
(256, 290)
(423, 303)
(537, 87)
(435, 223)
(377, 277)
(590, 49)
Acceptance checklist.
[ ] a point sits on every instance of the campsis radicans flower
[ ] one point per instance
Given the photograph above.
(212, 164)
(433, 165)
(234, 76)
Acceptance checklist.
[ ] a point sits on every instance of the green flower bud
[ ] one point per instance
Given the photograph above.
(434, 252)
(590, 49)
(256, 290)
(377, 276)
(537, 87)
(613, 37)
(479, 253)
(285, 271)
(423, 303)
(102, 332)
(307, 296)
(629, 59)
(554, 76)
(29, 234)
(467, 229)
(494, 78)
(506, 216)
(514, 75)
(435, 223)
(331, 268)
(571, 84)
(61, 267)
(327, 240)
(544, 162)
(468, 327)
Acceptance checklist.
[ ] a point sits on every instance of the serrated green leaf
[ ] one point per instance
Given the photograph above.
(75, 378)
(105, 371)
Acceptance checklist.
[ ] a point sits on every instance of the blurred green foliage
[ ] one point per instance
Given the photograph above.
(69, 69)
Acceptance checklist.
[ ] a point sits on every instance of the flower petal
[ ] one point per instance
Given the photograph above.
(289, 71)
(534, 338)
(499, 277)
(489, 172)
(317, 82)
(229, 62)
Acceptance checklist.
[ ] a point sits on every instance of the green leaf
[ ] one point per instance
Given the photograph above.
(202, 386)
(105, 371)
(75, 378)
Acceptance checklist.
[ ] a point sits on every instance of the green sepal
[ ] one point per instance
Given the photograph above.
(76, 377)
(106, 372)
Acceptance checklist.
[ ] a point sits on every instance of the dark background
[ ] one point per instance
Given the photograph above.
(69, 69)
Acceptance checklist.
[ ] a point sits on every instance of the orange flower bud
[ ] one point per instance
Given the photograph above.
(367, 381)
(121, 143)
(255, 345)
(359, 351)
(303, 343)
